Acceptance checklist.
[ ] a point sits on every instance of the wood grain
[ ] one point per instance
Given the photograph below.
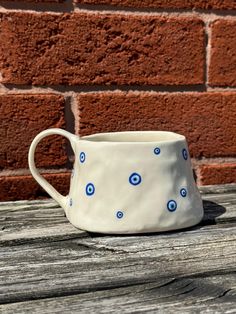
(36, 221)
(212, 294)
(218, 189)
(88, 264)
(48, 266)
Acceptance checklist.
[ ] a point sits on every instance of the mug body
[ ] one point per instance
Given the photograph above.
(133, 182)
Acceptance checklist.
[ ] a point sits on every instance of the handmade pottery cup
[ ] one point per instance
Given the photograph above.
(127, 182)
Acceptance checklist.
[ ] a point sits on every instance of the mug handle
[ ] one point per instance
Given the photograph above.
(35, 173)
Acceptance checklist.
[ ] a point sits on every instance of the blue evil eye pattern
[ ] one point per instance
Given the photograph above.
(90, 189)
(185, 153)
(183, 192)
(157, 151)
(71, 202)
(82, 157)
(135, 179)
(119, 214)
(171, 205)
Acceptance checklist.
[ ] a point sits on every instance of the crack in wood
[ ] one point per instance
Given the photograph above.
(101, 248)
(225, 293)
(46, 262)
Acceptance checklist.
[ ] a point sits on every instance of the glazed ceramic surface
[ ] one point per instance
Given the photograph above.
(127, 182)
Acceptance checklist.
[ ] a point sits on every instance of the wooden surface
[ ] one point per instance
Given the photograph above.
(48, 266)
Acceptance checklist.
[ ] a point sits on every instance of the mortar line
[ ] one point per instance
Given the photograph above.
(213, 161)
(26, 172)
(198, 176)
(208, 51)
(70, 7)
(221, 89)
(120, 8)
(70, 91)
(205, 15)
(76, 113)
(195, 163)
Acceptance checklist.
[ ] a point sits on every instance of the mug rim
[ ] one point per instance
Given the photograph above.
(109, 137)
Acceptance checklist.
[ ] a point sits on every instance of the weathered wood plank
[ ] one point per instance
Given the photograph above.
(216, 294)
(186, 271)
(28, 221)
(218, 189)
(36, 221)
(213, 308)
(81, 265)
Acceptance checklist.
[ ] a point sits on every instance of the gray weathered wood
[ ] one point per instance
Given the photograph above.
(28, 221)
(48, 266)
(131, 306)
(218, 189)
(214, 294)
(89, 264)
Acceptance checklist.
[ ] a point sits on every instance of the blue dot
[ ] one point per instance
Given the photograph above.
(185, 153)
(119, 214)
(90, 189)
(135, 179)
(157, 150)
(71, 202)
(171, 205)
(183, 192)
(82, 157)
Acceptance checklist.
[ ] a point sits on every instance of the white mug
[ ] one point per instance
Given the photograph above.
(127, 182)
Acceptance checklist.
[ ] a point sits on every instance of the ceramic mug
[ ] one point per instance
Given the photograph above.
(127, 182)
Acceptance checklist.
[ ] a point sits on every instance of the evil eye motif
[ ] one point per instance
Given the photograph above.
(185, 153)
(90, 189)
(119, 214)
(157, 150)
(71, 202)
(171, 205)
(183, 192)
(135, 179)
(82, 157)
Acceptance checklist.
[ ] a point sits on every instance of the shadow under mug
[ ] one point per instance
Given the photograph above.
(127, 182)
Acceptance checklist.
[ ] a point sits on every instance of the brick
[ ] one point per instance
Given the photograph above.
(38, 1)
(82, 48)
(13, 188)
(167, 4)
(222, 69)
(217, 174)
(206, 119)
(22, 118)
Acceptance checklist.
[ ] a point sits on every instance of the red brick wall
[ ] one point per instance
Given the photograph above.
(112, 65)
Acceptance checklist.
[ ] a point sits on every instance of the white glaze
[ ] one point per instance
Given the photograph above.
(106, 162)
